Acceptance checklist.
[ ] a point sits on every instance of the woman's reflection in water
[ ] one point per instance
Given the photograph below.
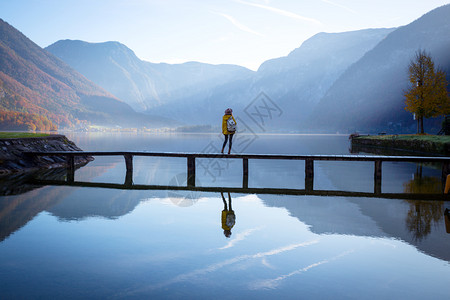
(228, 216)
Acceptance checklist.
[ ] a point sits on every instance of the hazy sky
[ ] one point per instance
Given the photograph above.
(243, 32)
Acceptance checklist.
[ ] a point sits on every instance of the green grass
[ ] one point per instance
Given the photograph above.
(18, 135)
(412, 137)
(438, 144)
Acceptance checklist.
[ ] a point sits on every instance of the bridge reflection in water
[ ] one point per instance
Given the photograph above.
(245, 189)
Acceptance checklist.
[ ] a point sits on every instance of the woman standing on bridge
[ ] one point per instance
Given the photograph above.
(228, 128)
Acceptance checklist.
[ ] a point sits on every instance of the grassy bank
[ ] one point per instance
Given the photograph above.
(439, 144)
(411, 137)
(19, 135)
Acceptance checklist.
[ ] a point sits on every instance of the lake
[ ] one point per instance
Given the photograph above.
(88, 242)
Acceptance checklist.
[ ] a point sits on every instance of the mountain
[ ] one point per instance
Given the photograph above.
(351, 81)
(143, 85)
(319, 61)
(35, 84)
(296, 82)
(369, 95)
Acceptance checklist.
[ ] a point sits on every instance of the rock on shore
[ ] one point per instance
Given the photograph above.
(13, 160)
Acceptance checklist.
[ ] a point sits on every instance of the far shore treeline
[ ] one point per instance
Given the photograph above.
(10, 120)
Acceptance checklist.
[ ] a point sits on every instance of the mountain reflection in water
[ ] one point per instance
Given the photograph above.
(164, 230)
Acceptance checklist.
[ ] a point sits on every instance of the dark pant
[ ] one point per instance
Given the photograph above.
(226, 140)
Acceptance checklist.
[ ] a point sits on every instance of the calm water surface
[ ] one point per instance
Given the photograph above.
(77, 242)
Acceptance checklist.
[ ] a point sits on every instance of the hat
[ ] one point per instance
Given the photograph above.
(228, 111)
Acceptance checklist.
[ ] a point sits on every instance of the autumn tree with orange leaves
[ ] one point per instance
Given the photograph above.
(427, 96)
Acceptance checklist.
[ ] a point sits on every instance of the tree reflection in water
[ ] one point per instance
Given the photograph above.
(423, 214)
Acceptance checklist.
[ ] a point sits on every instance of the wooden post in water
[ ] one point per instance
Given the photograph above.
(70, 168)
(309, 174)
(191, 170)
(129, 166)
(245, 173)
(377, 177)
(445, 171)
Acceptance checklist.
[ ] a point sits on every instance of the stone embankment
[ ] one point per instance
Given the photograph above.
(404, 143)
(14, 161)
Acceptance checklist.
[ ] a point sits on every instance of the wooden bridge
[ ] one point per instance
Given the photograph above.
(191, 170)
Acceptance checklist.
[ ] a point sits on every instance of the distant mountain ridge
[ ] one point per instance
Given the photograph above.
(371, 90)
(296, 82)
(35, 82)
(141, 84)
(345, 82)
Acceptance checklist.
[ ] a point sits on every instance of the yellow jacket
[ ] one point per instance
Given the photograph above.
(228, 214)
(224, 124)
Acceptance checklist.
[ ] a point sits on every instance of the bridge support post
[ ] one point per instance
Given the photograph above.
(377, 177)
(191, 170)
(70, 168)
(245, 173)
(309, 175)
(445, 170)
(129, 166)
(445, 173)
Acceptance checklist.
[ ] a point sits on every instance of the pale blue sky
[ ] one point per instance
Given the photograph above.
(242, 32)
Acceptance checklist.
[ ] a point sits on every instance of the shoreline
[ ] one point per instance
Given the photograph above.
(13, 161)
(424, 144)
